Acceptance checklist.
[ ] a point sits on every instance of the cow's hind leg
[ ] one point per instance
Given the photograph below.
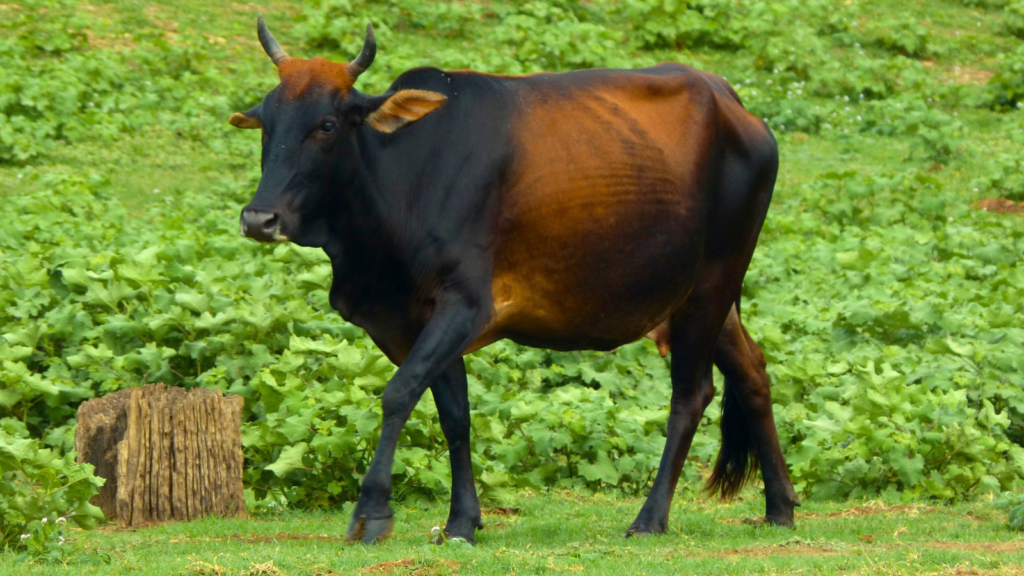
(693, 331)
(451, 396)
(748, 426)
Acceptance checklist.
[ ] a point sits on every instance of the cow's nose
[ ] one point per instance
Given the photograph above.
(262, 226)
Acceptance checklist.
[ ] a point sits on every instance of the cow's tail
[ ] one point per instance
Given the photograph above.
(737, 459)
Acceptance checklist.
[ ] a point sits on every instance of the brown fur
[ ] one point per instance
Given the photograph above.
(597, 170)
(298, 76)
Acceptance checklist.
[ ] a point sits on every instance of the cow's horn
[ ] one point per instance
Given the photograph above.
(365, 58)
(273, 49)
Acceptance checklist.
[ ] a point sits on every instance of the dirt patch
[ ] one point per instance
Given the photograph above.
(871, 510)
(501, 511)
(789, 548)
(114, 41)
(999, 206)
(411, 567)
(1010, 547)
(388, 567)
(970, 75)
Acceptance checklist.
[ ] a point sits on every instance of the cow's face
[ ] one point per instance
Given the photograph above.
(310, 146)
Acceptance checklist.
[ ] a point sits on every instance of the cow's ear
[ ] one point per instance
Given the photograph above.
(248, 119)
(404, 107)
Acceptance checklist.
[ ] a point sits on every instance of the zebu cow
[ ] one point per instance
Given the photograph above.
(571, 211)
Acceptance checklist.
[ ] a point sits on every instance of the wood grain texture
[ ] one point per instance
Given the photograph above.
(167, 454)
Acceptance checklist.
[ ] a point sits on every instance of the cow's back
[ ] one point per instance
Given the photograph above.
(605, 206)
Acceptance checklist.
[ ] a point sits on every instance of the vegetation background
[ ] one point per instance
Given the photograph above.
(887, 300)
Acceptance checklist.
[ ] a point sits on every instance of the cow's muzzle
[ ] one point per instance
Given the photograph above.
(262, 226)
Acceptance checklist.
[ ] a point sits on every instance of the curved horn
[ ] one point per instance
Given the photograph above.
(273, 49)
(365, 58)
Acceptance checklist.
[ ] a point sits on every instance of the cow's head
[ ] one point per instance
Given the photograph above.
(309, 124)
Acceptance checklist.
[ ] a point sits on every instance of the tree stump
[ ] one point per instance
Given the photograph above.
(166, 453)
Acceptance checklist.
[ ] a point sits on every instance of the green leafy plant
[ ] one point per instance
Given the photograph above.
(1005, 90)
(1013, 504)
(40, 492)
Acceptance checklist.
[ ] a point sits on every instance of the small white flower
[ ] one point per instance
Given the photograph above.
(25, 537)
(19, 176)
(856, 44)
(846, 98)
(799, 91)
(858, 118)
(950, 218)
(975, 189)
(61, 521)
(45, 520)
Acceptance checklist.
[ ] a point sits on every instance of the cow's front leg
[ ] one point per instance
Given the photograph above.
(449, 331)
(451, 395)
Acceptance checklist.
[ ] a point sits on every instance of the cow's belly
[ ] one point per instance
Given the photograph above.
(594, 270)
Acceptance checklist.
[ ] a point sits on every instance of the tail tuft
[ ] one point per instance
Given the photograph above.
(737, 459)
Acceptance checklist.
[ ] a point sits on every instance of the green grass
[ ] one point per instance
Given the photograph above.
(573, 533)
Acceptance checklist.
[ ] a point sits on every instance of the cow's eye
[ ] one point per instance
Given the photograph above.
(328, 126)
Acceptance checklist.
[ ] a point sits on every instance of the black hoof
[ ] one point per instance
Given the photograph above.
(370, 530)
(643, 529)
(780, 521)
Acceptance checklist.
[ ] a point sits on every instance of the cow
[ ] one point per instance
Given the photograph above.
(573, 211)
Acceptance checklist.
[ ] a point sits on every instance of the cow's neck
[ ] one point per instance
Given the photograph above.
(370, 272)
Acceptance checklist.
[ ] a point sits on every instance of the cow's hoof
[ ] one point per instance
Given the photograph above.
(464, 529)
(370, 530)
(639, 528)
(785, 522)
(769, 521)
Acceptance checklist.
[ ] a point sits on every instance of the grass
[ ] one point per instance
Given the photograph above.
(572, 533)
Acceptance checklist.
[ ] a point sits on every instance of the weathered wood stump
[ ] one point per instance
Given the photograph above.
(166, 453)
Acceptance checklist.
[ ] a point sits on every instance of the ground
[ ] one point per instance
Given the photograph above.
(575, 534)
